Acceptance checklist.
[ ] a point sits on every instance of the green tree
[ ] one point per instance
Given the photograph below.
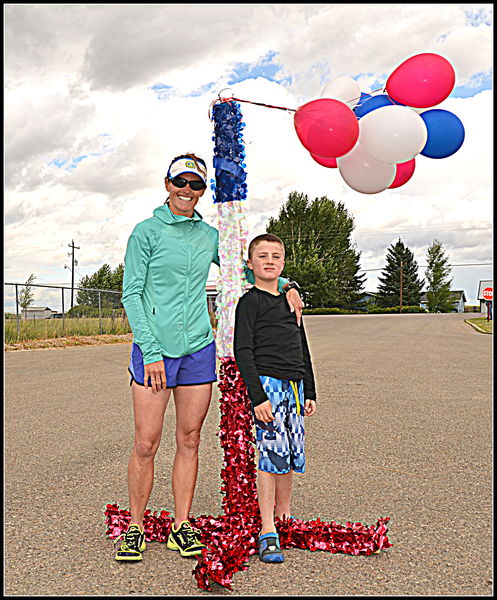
(117, 277)
(319, 253)
(26, 294)
(104, 279)
(399, 263)
(437, 276)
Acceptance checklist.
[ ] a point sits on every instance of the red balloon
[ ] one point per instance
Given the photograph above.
(421, 81)
(403, 173)
(326, 162)
(326, 127)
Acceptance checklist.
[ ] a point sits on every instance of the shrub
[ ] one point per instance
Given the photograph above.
(328, 311)
(468, 308)
(396, 309)
(369, 309)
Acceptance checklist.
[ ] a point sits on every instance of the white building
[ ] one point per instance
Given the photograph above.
(483, 298)
(458, 300)
(37, 312)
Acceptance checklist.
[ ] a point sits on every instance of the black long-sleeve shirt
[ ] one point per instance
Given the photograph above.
(268, 341)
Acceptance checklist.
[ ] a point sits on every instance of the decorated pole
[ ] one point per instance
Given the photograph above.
(237, 528)
(230, 190)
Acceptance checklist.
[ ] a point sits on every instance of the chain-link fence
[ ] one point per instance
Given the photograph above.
(59, 311)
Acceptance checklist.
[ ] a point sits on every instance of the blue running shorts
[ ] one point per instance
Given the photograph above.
(193, 369)
(281, 442)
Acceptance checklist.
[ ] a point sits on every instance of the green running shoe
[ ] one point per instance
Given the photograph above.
(186, 539)
(132, 545)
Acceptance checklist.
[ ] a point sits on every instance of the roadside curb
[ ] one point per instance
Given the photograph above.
(476, 327)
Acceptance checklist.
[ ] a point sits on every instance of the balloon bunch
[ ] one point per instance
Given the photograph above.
(373, 140)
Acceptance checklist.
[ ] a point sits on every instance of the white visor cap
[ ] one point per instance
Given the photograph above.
(187, 165)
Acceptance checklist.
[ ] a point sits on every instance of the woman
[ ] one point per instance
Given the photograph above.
(167, 263)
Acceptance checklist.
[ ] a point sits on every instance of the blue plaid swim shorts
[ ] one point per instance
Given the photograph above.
(281, 442)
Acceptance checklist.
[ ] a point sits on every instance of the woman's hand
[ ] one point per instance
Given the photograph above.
(263, 412)
(295, 303)
(157, 374)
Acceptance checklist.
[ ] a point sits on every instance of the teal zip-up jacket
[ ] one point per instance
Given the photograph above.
(165, 273)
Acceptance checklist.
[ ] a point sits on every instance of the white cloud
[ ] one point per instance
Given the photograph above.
(78, 89)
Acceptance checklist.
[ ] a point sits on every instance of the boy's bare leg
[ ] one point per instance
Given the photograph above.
(283, 494)
(192, 404)
(149, 409)
(266, 493)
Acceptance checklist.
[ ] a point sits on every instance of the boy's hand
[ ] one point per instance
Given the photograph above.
(310, 408)
(263, 412)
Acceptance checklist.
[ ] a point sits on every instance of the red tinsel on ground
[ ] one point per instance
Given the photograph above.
(231, 538)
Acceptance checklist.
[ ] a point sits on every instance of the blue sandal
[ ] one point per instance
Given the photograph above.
(269, 548)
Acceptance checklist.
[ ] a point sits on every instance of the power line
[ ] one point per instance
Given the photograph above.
(330, 234)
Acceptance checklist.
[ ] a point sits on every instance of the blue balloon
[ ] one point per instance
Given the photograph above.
(362, 99)
(445, 133)
(372, 103)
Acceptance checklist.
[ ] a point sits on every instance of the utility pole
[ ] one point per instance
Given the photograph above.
(401, 283)
(74, 262)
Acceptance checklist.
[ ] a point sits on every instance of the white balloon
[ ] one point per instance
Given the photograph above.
(393, 134)
(365, 173)
(343, 88)
(422, 110)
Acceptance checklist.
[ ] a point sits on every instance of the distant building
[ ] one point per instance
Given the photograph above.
(458, 300)
(485, 296)
(38, 312)
(367, 297)
(483, 285)
(211, 290)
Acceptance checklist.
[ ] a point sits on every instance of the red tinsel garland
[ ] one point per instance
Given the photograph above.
(231, 538)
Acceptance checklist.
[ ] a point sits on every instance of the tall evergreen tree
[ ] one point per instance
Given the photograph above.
(319, 253)
(399, 257)
(437, 275)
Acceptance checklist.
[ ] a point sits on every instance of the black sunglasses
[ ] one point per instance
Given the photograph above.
(180, 182)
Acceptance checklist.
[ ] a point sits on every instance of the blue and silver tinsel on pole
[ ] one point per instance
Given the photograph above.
(229, 189)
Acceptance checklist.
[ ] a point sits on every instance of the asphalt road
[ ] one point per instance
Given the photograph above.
(403, 429)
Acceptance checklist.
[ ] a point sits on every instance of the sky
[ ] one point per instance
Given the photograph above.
(99, 98)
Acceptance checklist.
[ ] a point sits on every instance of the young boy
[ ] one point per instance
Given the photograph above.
(273, 357)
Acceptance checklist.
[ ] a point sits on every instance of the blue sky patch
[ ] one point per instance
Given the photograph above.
(263, 68)
(377, 84)
(70, 164)
(203, 89)
(479, 16)
(478, 83)
(162, 91)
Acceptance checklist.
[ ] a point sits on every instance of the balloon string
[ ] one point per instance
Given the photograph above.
(266, 105)
(230, 98)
